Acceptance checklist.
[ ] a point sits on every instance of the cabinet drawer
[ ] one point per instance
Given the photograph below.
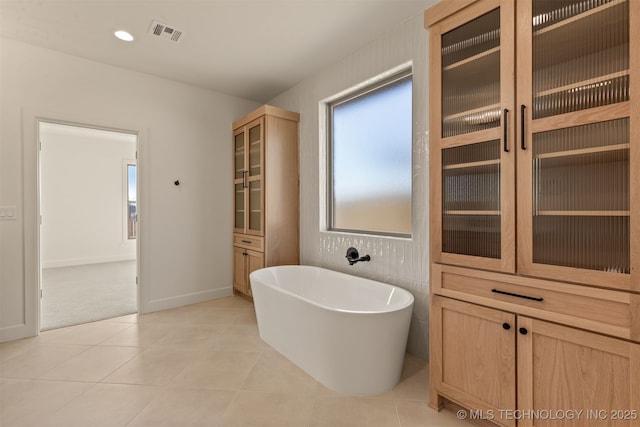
(599, 310)
(248, 242)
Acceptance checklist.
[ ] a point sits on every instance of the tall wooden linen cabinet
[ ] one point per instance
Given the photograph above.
(535, 210)
(266, 221)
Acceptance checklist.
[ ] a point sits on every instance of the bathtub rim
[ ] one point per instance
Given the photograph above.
(408, 304)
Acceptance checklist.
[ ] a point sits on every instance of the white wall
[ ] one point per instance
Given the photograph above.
(184, 133)
(403, 262)
(83, 197)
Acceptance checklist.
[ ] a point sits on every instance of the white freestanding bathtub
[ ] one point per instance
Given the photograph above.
(347, 332)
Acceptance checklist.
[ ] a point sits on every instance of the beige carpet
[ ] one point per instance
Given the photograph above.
(86, 293)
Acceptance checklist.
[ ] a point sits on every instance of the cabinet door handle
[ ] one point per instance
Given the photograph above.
(244, 179)
(523, 143)
(496, 291)
(523, 331)
(506, 326)
(505, 125)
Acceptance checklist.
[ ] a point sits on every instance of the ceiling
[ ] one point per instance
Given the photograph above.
(253, 49)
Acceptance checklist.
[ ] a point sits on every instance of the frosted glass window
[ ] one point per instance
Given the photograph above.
(370, 180)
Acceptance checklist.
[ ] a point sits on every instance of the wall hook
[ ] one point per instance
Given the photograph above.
(176, 182)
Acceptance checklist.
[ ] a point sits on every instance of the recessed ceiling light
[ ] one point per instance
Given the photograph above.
(123, 35)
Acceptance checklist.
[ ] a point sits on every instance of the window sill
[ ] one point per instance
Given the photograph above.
(362, 235)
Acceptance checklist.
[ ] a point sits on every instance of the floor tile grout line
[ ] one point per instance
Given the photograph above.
(42, 339)
(21, 417)
(78, 355)
(235, 396)
(40, 344)
(116, 333)
(120, 366)
(49, 380)
(395, 405)
(313, 406)
(167, 381)
(60, 363)
(244, 380)
(76, 397)
(145, 406)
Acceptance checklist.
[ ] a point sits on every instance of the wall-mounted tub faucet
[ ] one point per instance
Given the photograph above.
(353, 256)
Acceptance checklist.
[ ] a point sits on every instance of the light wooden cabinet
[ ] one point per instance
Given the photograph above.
(562, 372)
(265, 182)
(248, 179)
(577, 129)
(473, 355)
(567, 131)
(245, 262)
(534, 120)
(472, 137)
(565, 372)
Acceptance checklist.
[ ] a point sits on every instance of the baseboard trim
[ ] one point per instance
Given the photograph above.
(15, 332)
(180, 300)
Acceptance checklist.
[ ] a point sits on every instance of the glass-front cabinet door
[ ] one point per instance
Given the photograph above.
(248, 178)
(576, 140)
(255, 148)
(239, 180)
(473, 137)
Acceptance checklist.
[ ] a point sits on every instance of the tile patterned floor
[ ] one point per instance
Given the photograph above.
(199, 365)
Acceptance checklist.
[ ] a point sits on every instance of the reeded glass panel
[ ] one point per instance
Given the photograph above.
(581, 196)
(254, 151)
(239, 206)
(471, 199)
(238, 145)
(255, 205)
(471, 76)
(589, 242)
(575, 67)
(371, 160)
(477, 235)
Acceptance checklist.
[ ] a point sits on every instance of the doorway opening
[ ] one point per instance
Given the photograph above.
(88, 230)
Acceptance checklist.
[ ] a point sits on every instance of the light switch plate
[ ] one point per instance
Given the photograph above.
(8, 213)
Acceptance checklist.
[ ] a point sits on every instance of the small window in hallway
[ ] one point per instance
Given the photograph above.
(132, 211)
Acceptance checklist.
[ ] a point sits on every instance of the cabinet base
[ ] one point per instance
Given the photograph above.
(460, 411)
(243, 295)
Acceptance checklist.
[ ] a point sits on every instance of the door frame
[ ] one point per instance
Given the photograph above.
(31, 209)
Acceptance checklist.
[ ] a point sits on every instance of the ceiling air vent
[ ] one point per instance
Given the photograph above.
(163, 31)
